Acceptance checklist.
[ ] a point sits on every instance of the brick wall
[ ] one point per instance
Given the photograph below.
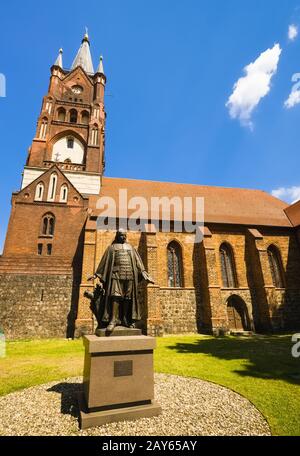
(165, 310)
(202, 303)
(39, 293)
(25, 225)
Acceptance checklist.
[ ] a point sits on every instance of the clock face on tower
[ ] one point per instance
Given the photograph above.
(77, 89)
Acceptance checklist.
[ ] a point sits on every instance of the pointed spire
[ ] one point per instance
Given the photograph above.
(86, 36)
(58, 61)
(83, 57)
(100, 68)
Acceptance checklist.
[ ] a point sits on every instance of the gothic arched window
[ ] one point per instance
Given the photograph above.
(61, 114)
(174, 265)
(52, 187)
(39, 192)
(85, 117)
(73, 116)
(94, 136)
(229, 277)
(48, 224)
(276, 266)
(63, 193)
(48, 106)
(96, 111)
(43, 129)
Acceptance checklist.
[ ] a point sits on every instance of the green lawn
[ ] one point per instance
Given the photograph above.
(33, 362)
(260, 368)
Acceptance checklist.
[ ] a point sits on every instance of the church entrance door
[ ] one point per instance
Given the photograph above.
(237, 314)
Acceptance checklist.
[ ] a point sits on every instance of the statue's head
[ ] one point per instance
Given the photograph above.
(121, 236)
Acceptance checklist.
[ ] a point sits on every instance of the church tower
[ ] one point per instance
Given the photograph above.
(42, 256)
(71, 126)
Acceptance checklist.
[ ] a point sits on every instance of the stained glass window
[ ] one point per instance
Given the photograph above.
(276, 267)
(174, 265)
(227, 267)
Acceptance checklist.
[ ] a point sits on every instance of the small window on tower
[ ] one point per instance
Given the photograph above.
(40, 249)
(49, 249)
(70, 143)
(73, 116)
(61, 114)
(85, 117)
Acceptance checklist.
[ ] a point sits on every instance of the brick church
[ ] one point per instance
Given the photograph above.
(243, 276)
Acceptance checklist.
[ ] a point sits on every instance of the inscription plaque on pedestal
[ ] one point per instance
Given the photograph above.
(122, 368)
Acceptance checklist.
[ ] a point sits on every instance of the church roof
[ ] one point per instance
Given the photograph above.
(293, 213)
(83, 57)
(221, 205)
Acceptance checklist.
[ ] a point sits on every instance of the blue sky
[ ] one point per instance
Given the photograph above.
(171, 67)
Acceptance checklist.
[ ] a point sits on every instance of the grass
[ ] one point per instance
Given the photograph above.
(33, 362)
(260, 368)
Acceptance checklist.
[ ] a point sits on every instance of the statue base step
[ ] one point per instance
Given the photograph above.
(118, 331)
(98, 418)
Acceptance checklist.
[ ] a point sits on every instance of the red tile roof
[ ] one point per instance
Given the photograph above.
(221, 205)
(293, 213)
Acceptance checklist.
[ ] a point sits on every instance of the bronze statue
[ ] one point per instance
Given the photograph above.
(115, 299)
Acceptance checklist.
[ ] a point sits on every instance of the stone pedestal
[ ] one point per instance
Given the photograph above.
(118, 380)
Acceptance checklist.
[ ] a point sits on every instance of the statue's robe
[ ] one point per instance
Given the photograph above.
(104, 273)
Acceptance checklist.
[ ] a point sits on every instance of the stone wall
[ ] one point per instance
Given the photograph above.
(38, 305)
(178, 310)
(284, 308)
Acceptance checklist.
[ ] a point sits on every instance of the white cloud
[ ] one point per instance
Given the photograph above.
(293, 32)
(255, 85)
(288, 194)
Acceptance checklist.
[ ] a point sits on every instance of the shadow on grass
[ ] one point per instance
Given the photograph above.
(69, 393)
(266, 357)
